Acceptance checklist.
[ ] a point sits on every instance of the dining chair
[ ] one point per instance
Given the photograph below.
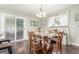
(30, 34)
(57, 45)
(34, 45)
(47, 45)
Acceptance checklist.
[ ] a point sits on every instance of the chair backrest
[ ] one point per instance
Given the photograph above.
(46, 38)
(30, 35)
(60, 36)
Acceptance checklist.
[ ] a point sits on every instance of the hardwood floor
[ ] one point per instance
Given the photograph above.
(69, 49)
(72, 49)
(22, 47)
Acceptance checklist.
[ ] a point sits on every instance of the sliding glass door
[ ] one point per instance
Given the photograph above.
(14, 28)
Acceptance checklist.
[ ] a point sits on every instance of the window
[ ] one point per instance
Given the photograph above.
(59, 20)
(51, 22)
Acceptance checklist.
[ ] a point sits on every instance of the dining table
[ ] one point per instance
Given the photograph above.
(45, 42)
(5, 44)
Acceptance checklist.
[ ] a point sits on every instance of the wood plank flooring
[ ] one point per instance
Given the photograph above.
(22, 47)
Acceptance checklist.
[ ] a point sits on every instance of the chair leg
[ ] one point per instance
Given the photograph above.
(52, 48)
(60, 49)
(57, 51)
(57, 48)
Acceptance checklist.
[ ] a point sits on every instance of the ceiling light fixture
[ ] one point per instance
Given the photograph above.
(41, 14)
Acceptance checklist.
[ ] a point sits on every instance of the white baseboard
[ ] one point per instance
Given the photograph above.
(68, 44)
(75, 44)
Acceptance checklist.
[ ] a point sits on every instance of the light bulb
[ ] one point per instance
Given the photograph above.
(41, 14)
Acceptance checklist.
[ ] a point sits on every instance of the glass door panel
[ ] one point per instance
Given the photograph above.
(19, 29)
(10, 28)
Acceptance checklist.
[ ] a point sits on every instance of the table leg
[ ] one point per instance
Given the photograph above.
(10, 50)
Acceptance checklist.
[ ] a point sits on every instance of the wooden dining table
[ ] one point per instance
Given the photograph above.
(45, 43)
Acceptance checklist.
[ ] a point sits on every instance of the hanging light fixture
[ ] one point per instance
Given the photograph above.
(41, 14)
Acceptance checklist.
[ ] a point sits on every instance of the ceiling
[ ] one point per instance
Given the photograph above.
(33, 9)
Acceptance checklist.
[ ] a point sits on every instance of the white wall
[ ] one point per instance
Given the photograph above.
(29, 27)
(73, 38)
(74, 26)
